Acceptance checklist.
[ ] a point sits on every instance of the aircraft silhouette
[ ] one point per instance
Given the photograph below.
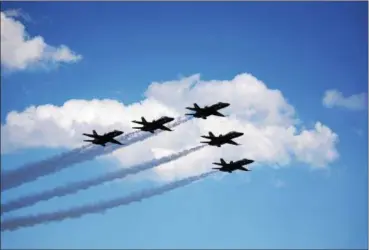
(222, 139)
(207, 110)
(154, 125)
(232, 166)
(105, 138)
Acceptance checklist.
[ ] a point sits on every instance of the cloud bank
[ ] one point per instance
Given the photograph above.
(272, 132)
(333, 98)
(20, 51)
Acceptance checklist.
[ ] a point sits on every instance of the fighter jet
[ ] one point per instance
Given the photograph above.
(207, 110)
(232, 166)
(154, 125)
(105, 138)
(222, 139)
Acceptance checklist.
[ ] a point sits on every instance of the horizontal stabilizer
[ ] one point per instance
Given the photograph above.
(138, 127)
(89, 140)
(138, 122)
(189, 108)
(207, 142)
(89, 135)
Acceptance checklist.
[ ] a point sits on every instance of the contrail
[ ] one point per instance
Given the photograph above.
(33, 171)
(99, 207)
(81, 185)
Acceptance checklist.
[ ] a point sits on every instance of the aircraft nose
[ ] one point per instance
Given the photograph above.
(225, 104)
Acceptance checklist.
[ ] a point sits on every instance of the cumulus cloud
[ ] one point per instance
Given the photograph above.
(20, 51)
(334, 98)
(272, 133)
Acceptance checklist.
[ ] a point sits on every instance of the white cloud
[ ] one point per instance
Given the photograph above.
(17, 13)
(333, 98)
(272, 133)
(20, 51)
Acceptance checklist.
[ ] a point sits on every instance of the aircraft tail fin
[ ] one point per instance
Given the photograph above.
(196, 106)
(211, 134)
(94, 132)
(222, 161)
(143, 119)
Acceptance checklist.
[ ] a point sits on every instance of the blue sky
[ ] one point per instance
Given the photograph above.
(301, 49)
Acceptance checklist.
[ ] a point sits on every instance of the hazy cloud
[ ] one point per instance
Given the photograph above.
(334, 98)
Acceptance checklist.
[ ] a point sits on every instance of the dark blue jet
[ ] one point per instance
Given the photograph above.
(232, 166)
(222, 139)
(207, 110)
(105, 138)
(154, 125)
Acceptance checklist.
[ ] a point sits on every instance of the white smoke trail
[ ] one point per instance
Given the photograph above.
(75, 212)
(31, 172)
(81, 185)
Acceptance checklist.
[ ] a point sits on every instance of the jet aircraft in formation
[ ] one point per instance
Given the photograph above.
(207, 110)
(105, 138)
(233, 165)
(154, 125)
(199, 113)
(222, 139)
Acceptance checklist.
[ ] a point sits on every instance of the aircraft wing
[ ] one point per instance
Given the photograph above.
(115, 141)
(216, 113)
(244, 169)
(165, 128)
(232, 142)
